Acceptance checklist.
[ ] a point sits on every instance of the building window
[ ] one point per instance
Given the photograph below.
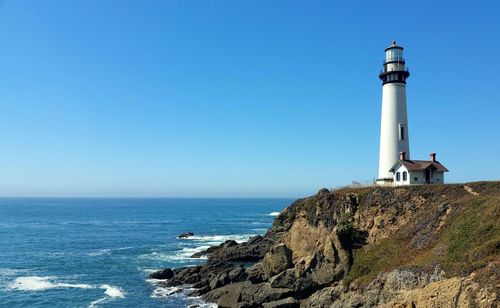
(398, 177)
(401, 132)
(405, 175)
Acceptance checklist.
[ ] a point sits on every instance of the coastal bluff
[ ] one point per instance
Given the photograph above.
(409, 246)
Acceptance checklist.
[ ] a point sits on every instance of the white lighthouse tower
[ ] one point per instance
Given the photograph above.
(394, 122)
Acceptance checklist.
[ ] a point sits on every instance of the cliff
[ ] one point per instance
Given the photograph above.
(417, 246)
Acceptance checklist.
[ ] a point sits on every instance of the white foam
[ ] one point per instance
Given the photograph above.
(112, 293)
(36, 283)
(11, 271)
(182, 291)
(149, 270)
(99, 252)
(99, 301)
(181, 255)
(274, 214)
(198, 302)
(161, 292)
(218, 239)
(204, 241)
(261, 230)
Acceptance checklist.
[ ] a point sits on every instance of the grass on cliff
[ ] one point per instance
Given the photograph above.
(473, 240)
(468, 240)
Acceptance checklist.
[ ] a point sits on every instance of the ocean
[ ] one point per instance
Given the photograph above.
(98, 252)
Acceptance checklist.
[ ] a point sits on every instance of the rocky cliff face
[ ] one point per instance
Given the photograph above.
(418, 246)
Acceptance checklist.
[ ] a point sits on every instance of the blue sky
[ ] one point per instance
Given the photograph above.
(236, 98)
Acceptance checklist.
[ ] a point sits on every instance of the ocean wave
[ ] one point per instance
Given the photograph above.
(274, 214)
(99, 252)
(107, 251)
(163, 292)
(36, 283)
(12, 271)
(148, 270)
(218, 239)
(261, 222)
(42, 283)
(204, 242)
(181, 255)
(6, 276)
(111, 292)
(260, 230)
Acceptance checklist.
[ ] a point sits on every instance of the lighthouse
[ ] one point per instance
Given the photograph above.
(394, 120)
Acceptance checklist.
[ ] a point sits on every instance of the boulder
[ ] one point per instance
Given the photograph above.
(256, 273)
(200, 275)
(237, 274)
(322, 298)
(219, 281)
(288, 302)
(278, 259)
(285, 279)
(212, 249)
(251, 251)
(228, 295)
(162, 274)
(265, 293)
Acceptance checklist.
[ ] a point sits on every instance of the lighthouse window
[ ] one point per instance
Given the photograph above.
(401, 132)
(398, 176)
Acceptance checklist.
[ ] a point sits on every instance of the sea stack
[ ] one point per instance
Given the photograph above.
(394, 120)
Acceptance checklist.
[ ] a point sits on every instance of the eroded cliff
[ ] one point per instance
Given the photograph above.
(418, 246)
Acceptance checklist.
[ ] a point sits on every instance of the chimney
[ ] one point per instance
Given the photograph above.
(402, 155)
(433, 157)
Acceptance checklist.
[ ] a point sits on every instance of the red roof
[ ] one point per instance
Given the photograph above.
(420, 165)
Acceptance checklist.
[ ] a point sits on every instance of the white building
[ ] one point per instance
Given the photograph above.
(395, 166)
(409, 172)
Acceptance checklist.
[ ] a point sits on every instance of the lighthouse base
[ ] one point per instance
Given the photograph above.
(385, 182)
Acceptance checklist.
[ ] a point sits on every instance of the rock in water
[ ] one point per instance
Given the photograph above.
(162, 274)
(185, 235)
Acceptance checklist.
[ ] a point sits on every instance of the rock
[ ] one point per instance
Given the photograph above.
(229, 295)
(162, 274)
(303, 284)
(251, 251)
(278, 259)
(256, 273)
(219, 281)
(200, 275)
(185, 235)
(288, 302)
(265, 293)
(285, 279)
(238, 274)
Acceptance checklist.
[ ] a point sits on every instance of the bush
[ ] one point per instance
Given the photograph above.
(345, 225)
